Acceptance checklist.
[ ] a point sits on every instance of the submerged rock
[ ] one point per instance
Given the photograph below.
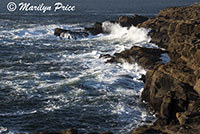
(70, 34)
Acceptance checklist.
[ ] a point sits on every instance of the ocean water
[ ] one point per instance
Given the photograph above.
(50, 84)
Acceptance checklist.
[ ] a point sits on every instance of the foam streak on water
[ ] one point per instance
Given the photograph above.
(52, 84)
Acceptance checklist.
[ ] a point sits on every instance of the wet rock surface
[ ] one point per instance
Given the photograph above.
(146, 57)
(172, 90)
(70, 34)
(94, 30)
(98, 29)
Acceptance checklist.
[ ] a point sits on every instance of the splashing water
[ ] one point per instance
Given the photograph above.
(133, 34)
(52, 84)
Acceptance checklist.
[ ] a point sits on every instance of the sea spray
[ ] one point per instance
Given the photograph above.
(132, 33)
(61, 77)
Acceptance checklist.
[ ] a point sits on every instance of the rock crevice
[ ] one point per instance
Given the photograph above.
(173, 89)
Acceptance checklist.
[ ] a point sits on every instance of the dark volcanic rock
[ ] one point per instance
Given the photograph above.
(59, 31)
(173, 89)
(105, 56)
(125, 21)
(146, 57)
(70, 34)
(96, 29)
(143, 78)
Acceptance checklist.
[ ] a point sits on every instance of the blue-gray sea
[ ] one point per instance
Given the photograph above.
(50, 84)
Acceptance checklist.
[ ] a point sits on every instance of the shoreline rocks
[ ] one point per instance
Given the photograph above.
(172, 89)
(146, 57)
(70, 34)
(126, 21)
(97, 28)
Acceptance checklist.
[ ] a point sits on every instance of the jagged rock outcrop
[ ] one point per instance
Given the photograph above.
(70, 34)
(170, 20)
(173, 89)
(126, 21)
(96, 29)
(146, 57)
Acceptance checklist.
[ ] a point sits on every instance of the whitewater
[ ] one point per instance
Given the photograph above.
(50, 84)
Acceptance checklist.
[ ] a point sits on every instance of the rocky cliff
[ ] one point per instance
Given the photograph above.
(173, 89)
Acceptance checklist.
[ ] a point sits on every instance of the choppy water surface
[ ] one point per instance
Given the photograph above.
(49, 84)
(52, 84)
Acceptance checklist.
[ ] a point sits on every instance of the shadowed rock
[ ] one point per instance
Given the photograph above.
(146, 57)
(70, 34)
(96, 29)
(125, 21)
(143, 78)
(105, 56)
(172, 89)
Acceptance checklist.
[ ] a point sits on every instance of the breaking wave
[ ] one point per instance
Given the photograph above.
(66, 81)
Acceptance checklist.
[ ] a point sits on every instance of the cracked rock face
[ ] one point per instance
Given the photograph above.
(173, 89)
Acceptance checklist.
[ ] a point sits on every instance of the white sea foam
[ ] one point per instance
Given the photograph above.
(107, 80)
(18, 113)
(37, 31)
(4, 130)
(134, 34)
(124, 38)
